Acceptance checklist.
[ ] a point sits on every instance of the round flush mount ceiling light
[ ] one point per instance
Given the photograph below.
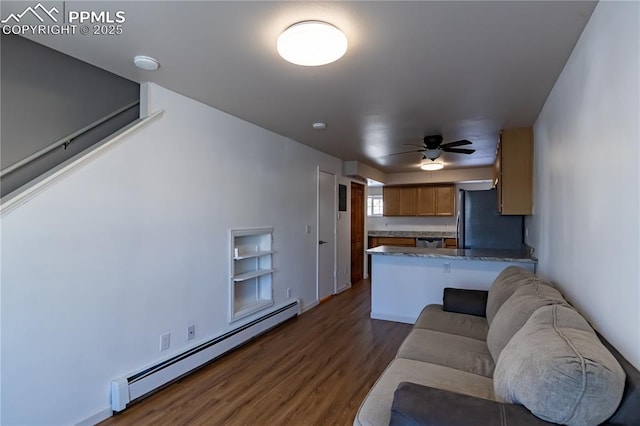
(312, 43)
(319, 125)
(146, 63)
(430, 165)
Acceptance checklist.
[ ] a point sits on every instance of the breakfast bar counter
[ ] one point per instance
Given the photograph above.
(406, 279)
(455, 254)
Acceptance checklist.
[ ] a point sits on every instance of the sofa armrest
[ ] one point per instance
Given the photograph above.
(415, 404)
(470, 302)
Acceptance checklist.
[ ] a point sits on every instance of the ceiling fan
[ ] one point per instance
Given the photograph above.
(432, 147)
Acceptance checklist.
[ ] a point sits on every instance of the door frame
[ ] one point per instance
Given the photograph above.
(365, 242)
(334, 231)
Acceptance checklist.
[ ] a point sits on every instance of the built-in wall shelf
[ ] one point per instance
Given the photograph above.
(251, 271)
(252, 254)
(252, 274)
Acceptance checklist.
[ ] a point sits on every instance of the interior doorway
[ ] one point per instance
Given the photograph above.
(357, 232)
(326, 262)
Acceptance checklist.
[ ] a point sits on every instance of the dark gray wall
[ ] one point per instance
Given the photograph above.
(47, 95)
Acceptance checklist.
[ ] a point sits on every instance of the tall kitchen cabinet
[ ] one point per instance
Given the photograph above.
(513, 172)
(251, 271)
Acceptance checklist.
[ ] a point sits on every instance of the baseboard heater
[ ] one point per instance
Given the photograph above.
(126, 390)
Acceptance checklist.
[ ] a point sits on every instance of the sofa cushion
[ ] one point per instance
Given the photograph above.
(415, 404)
(628, 412)
(505, 284)
(515, 312)
(462, 301)
(433, 317)
(557, 368)
(376, 408)
(459, 352)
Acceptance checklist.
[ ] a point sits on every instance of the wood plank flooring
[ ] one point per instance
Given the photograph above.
(313, 370)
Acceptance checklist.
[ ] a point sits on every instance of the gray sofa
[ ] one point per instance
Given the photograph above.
(518, 354)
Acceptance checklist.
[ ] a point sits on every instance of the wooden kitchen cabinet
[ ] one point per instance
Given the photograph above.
(450, 243)
(399, 201)
(392, 241)
(445, 200)
(419, 200)
(426, 205)
(513, 172)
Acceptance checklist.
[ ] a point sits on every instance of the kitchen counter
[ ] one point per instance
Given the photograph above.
(413, 234)
(456, 254)
(406, 279)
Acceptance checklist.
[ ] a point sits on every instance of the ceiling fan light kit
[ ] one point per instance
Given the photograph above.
(312, 43)
(432, 148)
(430, 165)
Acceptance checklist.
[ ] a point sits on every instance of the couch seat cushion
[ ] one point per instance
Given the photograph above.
(433, 317)
(449, 350)
(376, 408)
(557, 367)
(516, 311)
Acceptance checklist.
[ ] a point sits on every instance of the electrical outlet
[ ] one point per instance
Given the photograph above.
(191, 332)
(446, 267)
(288, 293)
(165, 341)
(307, 229)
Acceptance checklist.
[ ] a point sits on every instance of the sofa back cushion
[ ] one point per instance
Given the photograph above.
(507, 281)
(515, 312)
(556, 366)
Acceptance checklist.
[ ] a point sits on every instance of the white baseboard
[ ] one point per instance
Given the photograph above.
(96, 418)
(311, 305)
(392, 317)
(346, 287)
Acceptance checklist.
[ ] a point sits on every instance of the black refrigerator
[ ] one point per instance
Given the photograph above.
(480, 226)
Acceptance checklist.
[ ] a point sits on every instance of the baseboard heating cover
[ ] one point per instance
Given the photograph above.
(127, 389)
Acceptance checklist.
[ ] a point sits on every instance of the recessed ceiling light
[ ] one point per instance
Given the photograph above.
(430, 165)
(319, 125)
(146, 63)
(312, 43)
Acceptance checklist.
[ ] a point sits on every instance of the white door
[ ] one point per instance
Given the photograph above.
(326, 234)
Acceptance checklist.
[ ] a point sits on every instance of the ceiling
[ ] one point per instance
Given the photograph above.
(461, 69)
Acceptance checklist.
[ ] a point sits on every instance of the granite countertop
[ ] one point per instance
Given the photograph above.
(414, 234)
(456, 254)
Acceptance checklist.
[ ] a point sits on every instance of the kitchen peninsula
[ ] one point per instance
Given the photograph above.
(406, 279)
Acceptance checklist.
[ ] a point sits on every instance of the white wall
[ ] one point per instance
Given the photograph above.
(136, 244)
(587, 183)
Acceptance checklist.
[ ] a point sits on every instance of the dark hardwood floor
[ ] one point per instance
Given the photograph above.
(313, 370)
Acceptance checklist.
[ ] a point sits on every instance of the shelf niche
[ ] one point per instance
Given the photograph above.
(251, 271)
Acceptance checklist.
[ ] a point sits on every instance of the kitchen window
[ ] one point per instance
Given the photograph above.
(374, 205)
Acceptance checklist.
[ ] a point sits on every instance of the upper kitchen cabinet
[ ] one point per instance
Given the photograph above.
(513, 172)
(435, 200)
(419, 200)
(399, 201)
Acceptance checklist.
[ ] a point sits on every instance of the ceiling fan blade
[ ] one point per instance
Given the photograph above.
(456, 143)
(414, 144)
(407, 152)
(459, 150)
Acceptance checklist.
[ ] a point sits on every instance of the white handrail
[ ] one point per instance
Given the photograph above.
(65, 140)
(23, 194)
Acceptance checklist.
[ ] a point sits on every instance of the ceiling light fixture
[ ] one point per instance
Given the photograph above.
(312, 43)
(146, 63)
(430, 165)
(319, 125)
